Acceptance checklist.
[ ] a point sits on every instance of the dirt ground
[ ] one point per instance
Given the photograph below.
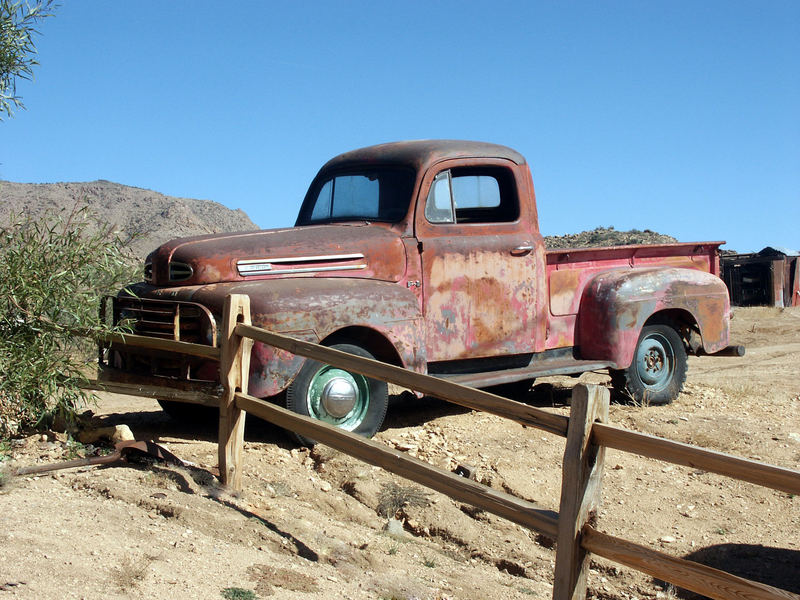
(316, 523)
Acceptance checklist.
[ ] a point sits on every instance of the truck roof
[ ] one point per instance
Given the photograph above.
(420, 153)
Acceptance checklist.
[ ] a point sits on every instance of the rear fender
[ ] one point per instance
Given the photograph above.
(616, 305)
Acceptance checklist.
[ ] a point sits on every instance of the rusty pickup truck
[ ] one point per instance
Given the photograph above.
(427, 255)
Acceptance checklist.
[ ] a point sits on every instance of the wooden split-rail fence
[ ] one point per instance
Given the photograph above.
(586, 430)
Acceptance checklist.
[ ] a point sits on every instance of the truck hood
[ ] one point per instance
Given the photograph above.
(347, 250)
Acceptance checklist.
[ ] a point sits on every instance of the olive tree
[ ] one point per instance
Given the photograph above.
(18, 20)
(52, 276)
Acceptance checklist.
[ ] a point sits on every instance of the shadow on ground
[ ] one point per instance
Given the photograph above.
(203, 425)
(405, 410)
(778, 567)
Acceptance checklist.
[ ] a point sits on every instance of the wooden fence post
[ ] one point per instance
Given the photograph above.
(234, 368)
(580, 490)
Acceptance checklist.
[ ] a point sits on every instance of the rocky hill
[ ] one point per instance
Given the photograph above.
(147, 217)
(606, 236)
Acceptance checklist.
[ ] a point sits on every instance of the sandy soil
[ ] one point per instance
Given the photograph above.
(315, 523)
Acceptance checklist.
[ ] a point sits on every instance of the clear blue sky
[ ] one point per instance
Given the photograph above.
(681, 116)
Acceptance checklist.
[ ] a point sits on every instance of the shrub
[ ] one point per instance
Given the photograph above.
(393, 497)
(51, 279)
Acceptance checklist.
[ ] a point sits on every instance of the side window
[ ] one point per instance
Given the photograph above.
(472, 195)
(439, 206)
(476, 191)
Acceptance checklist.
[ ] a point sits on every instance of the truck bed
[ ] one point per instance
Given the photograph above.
(570, 269)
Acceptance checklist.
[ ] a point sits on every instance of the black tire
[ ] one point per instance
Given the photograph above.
(326, 393)
(186, 412)
(658, 371)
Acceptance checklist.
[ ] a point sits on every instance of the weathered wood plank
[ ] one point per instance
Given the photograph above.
(234, 372)
(461, 489)
(581, 481)
(154, 343)
(677, 571)
(153, 391)
(446, 390)
(779, 478)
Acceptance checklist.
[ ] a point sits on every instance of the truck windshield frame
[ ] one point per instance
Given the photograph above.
(374, 194)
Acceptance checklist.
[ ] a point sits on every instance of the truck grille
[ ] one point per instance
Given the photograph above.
(167, 319)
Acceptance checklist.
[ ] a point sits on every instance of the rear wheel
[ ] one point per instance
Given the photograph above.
(338, 397)
(659, 367)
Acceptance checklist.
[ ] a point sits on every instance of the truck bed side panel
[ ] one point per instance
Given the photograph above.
(569, 271)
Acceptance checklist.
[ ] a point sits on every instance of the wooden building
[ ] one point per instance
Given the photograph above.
(767, 278)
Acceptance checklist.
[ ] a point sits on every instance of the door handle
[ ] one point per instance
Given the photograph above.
(522, 250)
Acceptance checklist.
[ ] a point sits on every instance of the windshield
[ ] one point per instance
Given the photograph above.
(380, 194)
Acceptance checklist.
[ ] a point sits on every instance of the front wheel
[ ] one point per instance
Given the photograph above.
(339, 397)
(659, 367)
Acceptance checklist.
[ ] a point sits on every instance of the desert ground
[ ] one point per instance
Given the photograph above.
(319, 524)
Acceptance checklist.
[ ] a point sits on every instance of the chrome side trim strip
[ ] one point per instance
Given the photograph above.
(266, 269)
(299, 259)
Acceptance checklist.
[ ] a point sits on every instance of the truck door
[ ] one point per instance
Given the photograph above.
(479, 258)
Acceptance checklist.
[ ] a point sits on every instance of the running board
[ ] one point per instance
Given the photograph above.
(544, 368)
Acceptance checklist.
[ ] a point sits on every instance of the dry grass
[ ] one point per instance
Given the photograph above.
(741, 391)
(265, 577)
(131, 571)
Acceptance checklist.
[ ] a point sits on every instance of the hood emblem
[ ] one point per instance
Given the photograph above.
(299, 264)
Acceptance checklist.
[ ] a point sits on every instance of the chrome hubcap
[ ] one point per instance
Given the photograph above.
(339, 397)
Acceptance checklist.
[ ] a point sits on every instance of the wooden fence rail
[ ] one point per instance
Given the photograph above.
(587, 436)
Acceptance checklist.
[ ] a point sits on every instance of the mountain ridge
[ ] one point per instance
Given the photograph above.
(146, 217)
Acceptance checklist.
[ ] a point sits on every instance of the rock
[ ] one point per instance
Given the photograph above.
(667, 539)
(794, 436)
(119, 433)
(122, 433)
(394, 528)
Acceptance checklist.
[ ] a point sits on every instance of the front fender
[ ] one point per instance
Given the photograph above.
(312, 309)
(616, 305)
